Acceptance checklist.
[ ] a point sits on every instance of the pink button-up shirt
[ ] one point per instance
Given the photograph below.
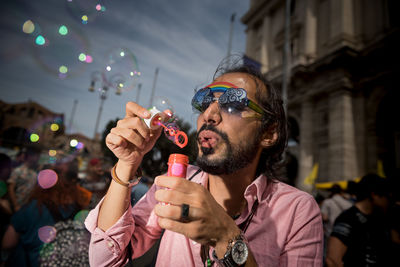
(286, 229)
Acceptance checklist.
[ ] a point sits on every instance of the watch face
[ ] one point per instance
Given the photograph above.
(239, 252)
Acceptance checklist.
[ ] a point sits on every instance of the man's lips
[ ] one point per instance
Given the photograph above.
(208, 138)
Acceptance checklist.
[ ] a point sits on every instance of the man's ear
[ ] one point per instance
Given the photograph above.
(269, 139)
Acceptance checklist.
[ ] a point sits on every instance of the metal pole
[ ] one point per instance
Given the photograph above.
(72, 115)
(286, 56)
(230, 35)
(103, 96)
(138, 93)
(153, 89)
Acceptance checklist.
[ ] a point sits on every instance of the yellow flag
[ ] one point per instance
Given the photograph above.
(310, 179)
(379, 169)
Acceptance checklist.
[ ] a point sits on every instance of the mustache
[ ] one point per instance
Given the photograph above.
(210, 127)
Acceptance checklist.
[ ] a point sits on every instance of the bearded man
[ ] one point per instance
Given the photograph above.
(230, 210)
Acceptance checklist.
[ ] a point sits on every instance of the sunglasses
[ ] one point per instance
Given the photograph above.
(233, 100)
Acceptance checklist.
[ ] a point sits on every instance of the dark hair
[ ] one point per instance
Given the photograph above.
(64, 193)
(335, 189)
(372, 183)
(273, 119)
(5, 164)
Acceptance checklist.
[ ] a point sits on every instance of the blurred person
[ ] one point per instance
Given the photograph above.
(45, 207)
(139, 190)
(360, 235)
(19, 158)
(96, 181)
(232, 210)
(5, 202)
(23, 178)
(331, 208)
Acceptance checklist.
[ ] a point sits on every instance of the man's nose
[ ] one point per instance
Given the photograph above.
(212, 114)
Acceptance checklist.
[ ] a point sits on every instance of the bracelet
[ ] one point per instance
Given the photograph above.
(130, 183)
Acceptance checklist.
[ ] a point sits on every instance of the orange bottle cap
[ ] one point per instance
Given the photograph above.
(178, 158)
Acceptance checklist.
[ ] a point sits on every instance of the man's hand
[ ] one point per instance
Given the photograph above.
(208, 222)
(131, 138)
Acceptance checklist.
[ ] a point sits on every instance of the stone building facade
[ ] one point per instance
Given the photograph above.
(343, 91)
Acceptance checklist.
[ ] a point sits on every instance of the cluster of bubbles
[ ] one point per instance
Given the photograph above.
(84, 11)
(59, 49)
(54, 127)
(42, 125)
(120, 72)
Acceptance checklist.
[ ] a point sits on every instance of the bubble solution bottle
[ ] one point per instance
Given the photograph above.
(177, 165)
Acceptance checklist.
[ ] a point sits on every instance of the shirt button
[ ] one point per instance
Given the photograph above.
(110, 244)
(194, 242)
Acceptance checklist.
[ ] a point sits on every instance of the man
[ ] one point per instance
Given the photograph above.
(23, 178)
(232, 212)
(360, 235)
(96, 181)
(331, 208)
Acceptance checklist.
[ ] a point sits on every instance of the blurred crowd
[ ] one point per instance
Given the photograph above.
(362, 222)
(35, 196)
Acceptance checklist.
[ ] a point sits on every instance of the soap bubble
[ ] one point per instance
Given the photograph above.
(58, 48)
(47, 178)
(121, 71)
(47, 233)
(84, 11)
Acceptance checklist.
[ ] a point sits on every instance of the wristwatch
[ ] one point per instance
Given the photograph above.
(236, 254)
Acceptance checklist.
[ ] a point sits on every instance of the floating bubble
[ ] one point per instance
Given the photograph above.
(79, 8)
(47, 233)
(40, 40)
(52, 153)
(3, 188)
(82, 57)
(63, 69)
(61, 47)
(84, 19)
(47, 178)
(28, 27)
(89, 59)
(80, 145)
(63, 30)
(54, 127)
(81, 216)
(34, 138)
(73, 143)
(121, 71)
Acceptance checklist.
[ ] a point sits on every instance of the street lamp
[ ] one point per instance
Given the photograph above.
(97, 77)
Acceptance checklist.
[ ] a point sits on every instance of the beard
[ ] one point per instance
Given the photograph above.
(232, 159)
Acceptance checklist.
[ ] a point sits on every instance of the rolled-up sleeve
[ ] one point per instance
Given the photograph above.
(138, 225)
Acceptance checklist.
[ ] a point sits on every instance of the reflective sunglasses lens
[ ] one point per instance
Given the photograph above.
(233, 101)
(199, 101)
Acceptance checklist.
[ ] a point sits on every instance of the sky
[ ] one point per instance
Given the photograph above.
(184, 39)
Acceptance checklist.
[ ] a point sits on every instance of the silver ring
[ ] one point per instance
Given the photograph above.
(185, 213)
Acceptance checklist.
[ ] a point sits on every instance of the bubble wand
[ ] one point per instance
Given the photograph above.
(171, 130)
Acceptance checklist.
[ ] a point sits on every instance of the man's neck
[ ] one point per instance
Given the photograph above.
(228, 190)
(365, 206)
